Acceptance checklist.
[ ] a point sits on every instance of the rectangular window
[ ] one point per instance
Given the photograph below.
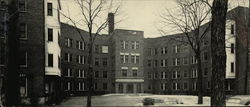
(81, 86)
(149, 51)
(69, 85)
(134, 73)
(81, 73)
(149, 75)
(105, 86)
(124, 44)
(105, 74)
(124, 72)
(176, 86)
(68, 42)
(205, 71)
(80, 45)
(22, 5)
(23, 30)
(156, 63)
(96, 86)
(163, 86)
(163, 63)
(185, 85)
(156, 51)
(80, 59)
(156, 75)
(96, 74)
(176, 61)
(104, 61)
(149, 63)
(68, 57)
(2, 56)
(205, 56)
(185, 60)
(232, 66)
(122, 57)
(232, 48)
(208, 85)
(96, 48)
(69, 72)
(50, 34)
(50, 60)
(50, 9)
(105, 49)
(232, 29)
(96, 61)
(23, 59)
(185, 74)
(164, 50)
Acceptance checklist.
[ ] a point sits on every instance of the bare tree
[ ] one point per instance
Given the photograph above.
(189, 19)
(91, 12)
(219, 10)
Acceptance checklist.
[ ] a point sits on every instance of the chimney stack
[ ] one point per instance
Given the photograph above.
(111, 22)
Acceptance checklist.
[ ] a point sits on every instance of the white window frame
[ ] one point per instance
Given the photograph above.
(26, 60)
(105, 49)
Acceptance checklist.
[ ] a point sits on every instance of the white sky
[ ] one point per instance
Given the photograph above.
(139, 14)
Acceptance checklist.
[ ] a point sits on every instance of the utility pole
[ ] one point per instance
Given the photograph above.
(12, 74)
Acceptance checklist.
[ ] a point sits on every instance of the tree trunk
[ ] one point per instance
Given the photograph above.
(90, 70)
(12, 74)
(200, 77)
(219, 11)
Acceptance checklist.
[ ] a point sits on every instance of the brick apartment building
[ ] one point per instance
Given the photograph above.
(54, 56)
(39, 29)
(153, 65)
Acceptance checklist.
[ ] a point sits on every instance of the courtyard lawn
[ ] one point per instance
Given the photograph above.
(136, 100)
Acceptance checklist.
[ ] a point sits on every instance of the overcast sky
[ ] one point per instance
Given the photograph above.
(139, 14)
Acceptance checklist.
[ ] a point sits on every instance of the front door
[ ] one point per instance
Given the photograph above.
(130, 88)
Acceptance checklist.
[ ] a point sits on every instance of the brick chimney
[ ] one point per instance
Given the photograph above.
(111, 22)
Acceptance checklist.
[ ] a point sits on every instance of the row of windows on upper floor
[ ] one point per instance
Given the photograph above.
(22, 7)
(81, 86)
(83, 73)
(125, 44)
(125, 59)
(82, 46)
(23, 56)
(81, 59)
(125, 72)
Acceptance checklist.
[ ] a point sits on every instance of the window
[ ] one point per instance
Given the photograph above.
(176, 86)
(205, 71)
(232, 48)
(96, 48)
(96, 61)
(81, 86)
(105, 49)
(50, 9)
(185, 74)
(232, 66)
(193, 60)
(50, 34)
(124, 58)
(124, 44)
(149, 51)
(149, 63)
(22, 5)
(23, 59)
(164, 75)
(134, 72)
(135, 45)
(194, 86)
(156, 75)
(176, 74)
(156, 63)
(135, 59)
(164, 63)
(156, 51)
(163, 86)
(95, 86)
(68, 42)
(205, 56)
(232, 29)
(69, 72)
(23, 30)
(149, 75)
(164, 50)
(208, 85)
(176, 49)
(124, 72)
(2, 26)
(105, 74)
(176, 61)
(185, 85)
(96, 74)
(69, 86)
(80, 59)
(68, 57)
(185, 61)
(81, 73)
(80, 45)
(104, 61)
(104, 86)
(194, 73)
(50, 60)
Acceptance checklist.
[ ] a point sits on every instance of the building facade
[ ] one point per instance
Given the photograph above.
(39, 30)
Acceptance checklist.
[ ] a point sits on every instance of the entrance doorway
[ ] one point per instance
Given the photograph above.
(130, 88)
